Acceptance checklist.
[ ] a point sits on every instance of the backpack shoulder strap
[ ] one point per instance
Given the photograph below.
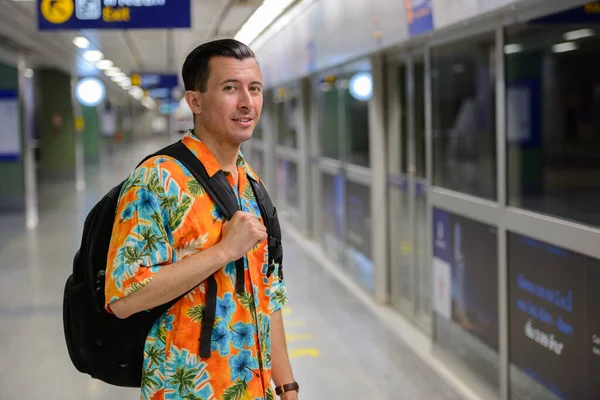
(269, 213)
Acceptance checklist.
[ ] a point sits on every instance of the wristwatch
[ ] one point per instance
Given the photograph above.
(288, 387)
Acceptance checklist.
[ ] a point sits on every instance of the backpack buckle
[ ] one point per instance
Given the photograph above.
(270, 269)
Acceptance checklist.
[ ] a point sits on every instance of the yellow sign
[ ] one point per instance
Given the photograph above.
(136, 80)
(57, 11)
(79, 124)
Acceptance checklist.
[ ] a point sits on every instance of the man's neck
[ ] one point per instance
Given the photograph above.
(225, 153)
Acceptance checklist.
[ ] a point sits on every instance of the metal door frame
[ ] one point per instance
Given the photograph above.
(408, 58)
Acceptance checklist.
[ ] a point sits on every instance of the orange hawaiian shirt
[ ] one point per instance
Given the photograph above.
(163, 216)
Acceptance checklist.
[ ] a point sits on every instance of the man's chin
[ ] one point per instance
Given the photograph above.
(240, 137)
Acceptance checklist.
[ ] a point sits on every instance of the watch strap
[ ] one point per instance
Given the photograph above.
(288, 387)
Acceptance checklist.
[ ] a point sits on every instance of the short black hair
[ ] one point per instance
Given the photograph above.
(195, 69)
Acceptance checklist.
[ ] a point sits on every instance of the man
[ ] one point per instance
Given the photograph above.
(169, 237)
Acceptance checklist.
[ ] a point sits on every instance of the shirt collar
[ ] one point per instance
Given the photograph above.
(196, 146)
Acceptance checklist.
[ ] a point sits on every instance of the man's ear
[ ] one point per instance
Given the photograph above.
(193, 101)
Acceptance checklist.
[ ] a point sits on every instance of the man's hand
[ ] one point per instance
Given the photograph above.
(240, 234)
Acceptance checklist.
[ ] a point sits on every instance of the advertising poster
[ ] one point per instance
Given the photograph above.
(554, 324)
(466, 275)
(359, 232)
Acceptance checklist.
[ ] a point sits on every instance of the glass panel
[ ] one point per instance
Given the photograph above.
(356, 112)
(359, 257)
(401, 243)
(553, 119)
(554, 326)
(332, 215)
(421, 260)
(465, 254)
(288, 113)
(403, 120)
(328, 98)
(257, 161)
(464, 112)
(287, 187)
(419, 116)
(258, 130)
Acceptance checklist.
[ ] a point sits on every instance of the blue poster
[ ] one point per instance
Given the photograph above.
(419, 16)
(10, 130)
(113, 14)
(154, 81)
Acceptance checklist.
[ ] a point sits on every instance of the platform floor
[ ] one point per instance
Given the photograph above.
(339, 349)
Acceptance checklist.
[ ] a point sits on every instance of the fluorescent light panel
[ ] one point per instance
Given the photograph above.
(81, 42)
(564, 47)
(104, 64)
(264, 15)
(578, 34)
(513, 48)
(93, 55)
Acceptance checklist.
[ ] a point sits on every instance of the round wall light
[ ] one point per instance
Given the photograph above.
(90, 92)
(361, 86)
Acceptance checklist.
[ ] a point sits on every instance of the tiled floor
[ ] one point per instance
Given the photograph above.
(338, 349)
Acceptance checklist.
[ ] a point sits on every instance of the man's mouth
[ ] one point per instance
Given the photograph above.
(243, 120)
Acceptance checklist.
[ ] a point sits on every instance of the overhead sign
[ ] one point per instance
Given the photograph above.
(419, 16)
(113, 14)
(154, 81)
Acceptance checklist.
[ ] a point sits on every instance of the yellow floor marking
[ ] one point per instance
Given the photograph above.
(293, 323)
(302, 336)
(287, 311)
(307, 352)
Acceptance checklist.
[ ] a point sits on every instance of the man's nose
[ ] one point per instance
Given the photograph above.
(244, 99)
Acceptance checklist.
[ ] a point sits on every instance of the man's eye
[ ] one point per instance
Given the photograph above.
(256, 89)
(229, 88)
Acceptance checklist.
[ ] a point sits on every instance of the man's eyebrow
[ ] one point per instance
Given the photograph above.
(237, 81)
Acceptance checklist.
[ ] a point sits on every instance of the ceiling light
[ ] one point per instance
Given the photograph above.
(578, 34)
(136, 92)
(90, 92)
(564, 47)
(81, 42)
(148, 102)
(93, 55)
(113, 71)
(118, 78)
(513, 48)
(264, 15)
(104, 64)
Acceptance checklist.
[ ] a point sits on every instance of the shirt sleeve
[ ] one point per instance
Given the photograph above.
(278, 292)
(141, 240)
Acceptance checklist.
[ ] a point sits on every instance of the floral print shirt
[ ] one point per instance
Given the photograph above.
(163, 216)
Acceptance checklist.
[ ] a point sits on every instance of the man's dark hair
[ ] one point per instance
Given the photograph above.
(195, 69)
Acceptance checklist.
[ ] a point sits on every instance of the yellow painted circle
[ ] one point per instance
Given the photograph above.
(57, 11)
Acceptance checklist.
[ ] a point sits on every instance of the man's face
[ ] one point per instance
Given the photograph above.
(231, 106)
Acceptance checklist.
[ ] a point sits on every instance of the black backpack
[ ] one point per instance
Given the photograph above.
(112, 349)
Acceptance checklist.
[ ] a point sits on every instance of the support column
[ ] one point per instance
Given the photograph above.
(56, 125)
(377, 148)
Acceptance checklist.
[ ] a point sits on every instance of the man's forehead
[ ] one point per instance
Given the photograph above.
(233, 68)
